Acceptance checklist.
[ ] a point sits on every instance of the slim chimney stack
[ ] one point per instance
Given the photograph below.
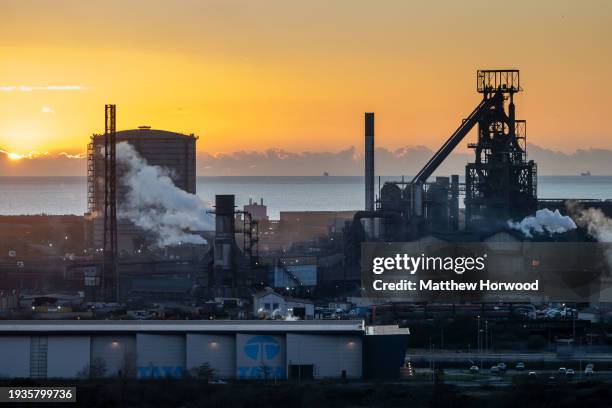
(369, 161)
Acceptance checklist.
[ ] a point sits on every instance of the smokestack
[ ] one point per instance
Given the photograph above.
(369, 161)
(224, 230)
(224, 215)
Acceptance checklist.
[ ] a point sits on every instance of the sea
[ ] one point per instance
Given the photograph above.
(68, 195)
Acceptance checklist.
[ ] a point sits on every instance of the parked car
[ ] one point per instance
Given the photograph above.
(570, 372)
(562, 370)
(520, 366)
(589, 372)
(532, 374)
(474, 369)
(502, 366)
(494, 369)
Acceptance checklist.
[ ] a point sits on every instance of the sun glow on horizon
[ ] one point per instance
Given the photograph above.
(15, 156)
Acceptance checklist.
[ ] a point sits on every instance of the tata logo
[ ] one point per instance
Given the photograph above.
(262, 348)
(160, 372)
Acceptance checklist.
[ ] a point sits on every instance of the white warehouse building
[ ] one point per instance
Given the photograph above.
(158, 349)
(270, 303)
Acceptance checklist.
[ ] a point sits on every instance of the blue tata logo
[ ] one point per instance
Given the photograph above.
(262, 348)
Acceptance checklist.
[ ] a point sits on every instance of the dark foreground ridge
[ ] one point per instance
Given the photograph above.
(197, 393)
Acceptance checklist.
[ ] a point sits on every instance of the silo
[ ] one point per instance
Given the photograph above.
(173, 151)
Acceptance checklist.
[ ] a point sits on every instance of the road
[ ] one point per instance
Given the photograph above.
(451, 356)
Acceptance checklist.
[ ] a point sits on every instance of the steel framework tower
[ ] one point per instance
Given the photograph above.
(109, 274)
(501, 183)
(250, 230)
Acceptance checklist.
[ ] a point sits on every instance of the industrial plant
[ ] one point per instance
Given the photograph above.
(500, 184)
(138, 255)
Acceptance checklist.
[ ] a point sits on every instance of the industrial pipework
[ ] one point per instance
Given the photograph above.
(499, 185)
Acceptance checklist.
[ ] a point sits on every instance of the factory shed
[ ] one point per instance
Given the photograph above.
(385, 356)
(272, 304)
(236, 349)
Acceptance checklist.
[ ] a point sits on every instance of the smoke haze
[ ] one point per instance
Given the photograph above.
(154, 203)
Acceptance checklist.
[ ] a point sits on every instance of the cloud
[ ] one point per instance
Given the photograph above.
(27, 88)
(38, 155)
(47, 109)
(347, 162)
(551, 162)
(42, 164)
(19, 156)
(72, 156)
(406, 161)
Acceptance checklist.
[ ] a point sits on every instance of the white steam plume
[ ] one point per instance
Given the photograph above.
(154, 203)
(596, 223)
(544, 221)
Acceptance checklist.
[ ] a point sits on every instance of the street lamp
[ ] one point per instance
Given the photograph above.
(478, 340)
(486, 336)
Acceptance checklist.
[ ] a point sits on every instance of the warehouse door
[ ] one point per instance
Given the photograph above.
(38, 356)
(301, 372)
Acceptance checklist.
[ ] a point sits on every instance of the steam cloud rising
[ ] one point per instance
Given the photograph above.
(544, 221)
(596, 223)
(154, 203)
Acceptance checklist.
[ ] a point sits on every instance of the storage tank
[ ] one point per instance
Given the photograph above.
(173, 151)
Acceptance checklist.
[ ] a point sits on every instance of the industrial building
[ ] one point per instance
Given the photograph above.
(230, 272)
(269, 303)
(259, 211)
(293, 272)
(500, 184)
(112, 236)
(176, 152)
(233, 349)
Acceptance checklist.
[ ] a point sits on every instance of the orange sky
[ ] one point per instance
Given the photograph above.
(249, 75)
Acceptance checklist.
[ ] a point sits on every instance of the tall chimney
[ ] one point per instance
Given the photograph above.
(369, 161)
(224, 230)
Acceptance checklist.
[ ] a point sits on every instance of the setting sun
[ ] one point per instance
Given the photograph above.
(15, 156)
